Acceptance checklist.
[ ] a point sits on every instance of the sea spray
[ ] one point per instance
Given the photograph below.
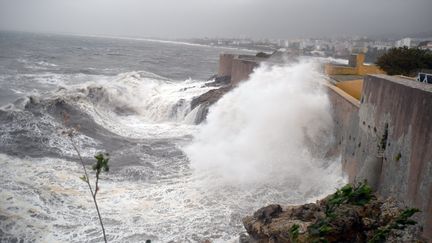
(274, 127)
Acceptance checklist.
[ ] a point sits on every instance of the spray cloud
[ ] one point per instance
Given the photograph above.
(275, 126)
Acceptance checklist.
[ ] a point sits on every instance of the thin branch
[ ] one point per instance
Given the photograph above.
(87, 180)
(82, 163)
(96, 184)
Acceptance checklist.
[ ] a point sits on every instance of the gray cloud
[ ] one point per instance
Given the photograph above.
(221, 18)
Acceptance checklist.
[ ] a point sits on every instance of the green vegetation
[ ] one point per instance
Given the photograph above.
(398, 156)
(358, 195)
(400, 223)
(405, 61)
(352, 214)
(294, 233)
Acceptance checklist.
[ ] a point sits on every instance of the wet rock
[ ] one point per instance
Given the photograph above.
(219, 81)
(346, 220)
(210, 96)
(306, 212)
(266, 214)
(205, 100)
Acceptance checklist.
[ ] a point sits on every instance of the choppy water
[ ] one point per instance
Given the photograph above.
(131, 98)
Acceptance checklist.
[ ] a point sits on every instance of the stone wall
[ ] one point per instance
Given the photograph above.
(241, 69)
(225, 64)
(389, 140)
(345, 115)
(404, 108)
(237, 67)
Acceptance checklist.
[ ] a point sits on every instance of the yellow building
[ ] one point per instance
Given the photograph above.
(349, 78)
(355, 66)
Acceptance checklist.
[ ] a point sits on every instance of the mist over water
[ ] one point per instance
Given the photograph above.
(276, 126)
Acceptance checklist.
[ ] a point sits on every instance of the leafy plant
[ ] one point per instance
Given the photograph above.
(100, 165)
(360, 195)
(294, 233)
(400, 223)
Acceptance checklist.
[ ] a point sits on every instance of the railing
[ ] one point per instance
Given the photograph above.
(424, 78)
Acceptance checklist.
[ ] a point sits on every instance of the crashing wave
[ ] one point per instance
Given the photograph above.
(134, 104)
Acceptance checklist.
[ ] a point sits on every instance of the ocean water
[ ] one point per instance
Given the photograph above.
(170, 180)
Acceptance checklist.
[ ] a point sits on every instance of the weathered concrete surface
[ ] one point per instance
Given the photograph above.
(225, 64)
(241, 69)
(345, 115)
(352, 87)
(389, 141)
(405, 107)
(237, 67)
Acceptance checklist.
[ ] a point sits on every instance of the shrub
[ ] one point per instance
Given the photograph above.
(405, 61)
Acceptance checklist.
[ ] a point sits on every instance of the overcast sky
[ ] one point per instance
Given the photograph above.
(218, 18)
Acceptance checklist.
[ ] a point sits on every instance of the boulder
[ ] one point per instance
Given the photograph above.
(204, 101)
(341, 217)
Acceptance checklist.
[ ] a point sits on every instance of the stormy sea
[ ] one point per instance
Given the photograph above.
(170, 179)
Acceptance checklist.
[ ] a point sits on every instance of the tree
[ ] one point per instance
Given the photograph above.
(405, 61)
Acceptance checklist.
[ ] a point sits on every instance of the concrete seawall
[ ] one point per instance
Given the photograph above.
(237, 67)
(388, 139)
(241, 69)
(345, 114)
(225, 64)
(385, 138)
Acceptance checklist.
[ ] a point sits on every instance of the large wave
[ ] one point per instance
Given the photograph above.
(277, 126)
(130, 105)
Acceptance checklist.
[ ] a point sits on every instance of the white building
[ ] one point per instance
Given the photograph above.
(425, 45)
(403, 42)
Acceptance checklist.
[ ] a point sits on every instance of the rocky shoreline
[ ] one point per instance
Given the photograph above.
(352, 214)
(204, 101)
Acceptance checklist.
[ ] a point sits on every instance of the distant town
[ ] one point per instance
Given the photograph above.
(324, 47)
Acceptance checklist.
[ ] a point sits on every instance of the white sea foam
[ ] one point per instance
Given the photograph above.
(139, 104)
(46, 64)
